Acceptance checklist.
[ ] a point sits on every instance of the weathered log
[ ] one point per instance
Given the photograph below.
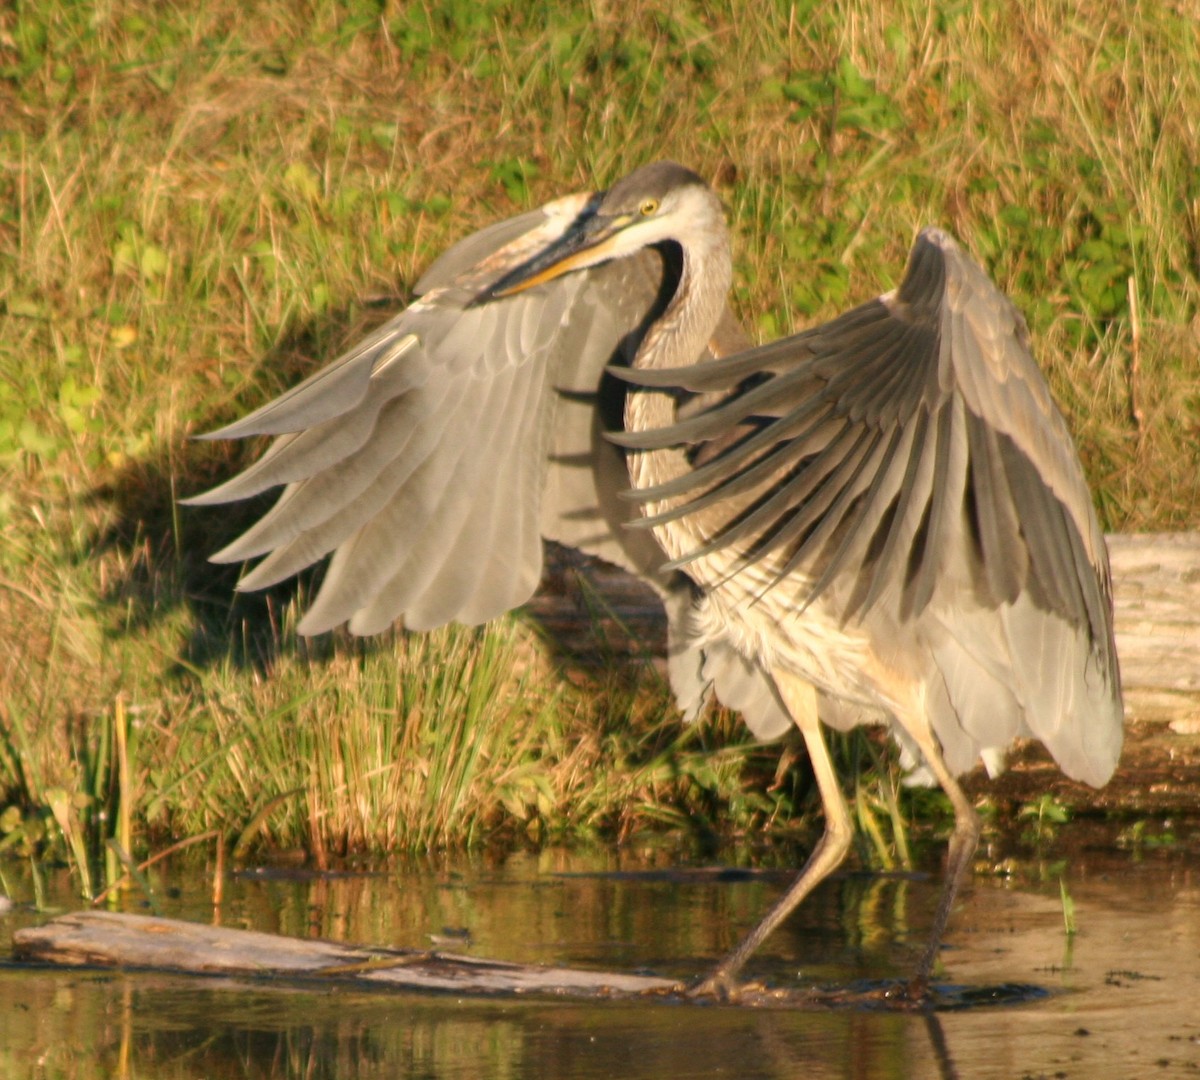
(109, 939)
(149, 943)
(1156, 586)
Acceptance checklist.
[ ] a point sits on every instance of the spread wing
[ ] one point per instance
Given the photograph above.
(905, 462)
(420, 458)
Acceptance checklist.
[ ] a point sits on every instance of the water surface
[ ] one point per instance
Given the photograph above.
(1121, 998)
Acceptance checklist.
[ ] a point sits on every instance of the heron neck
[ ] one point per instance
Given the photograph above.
(679, 337)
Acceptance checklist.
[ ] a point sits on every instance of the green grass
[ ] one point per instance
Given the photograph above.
(200, 202)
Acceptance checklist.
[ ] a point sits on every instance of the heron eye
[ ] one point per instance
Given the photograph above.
(648, 207)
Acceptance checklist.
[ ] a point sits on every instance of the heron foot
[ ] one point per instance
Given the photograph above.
(717, 985)
(916, 990)
(915, 994)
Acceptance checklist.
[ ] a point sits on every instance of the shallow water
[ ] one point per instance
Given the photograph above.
(1121, 998)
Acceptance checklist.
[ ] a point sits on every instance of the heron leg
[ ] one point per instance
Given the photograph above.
(801, 700)
(963, 842)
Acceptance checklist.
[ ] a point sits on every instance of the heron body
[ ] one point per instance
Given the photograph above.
(880, 520)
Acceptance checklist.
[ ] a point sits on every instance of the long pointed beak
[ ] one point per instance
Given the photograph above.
(585, 243)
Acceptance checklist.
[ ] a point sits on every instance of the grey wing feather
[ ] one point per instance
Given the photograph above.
(744, 686)
(583, 507)
(324, 395)
(906, 461)
(418, 458)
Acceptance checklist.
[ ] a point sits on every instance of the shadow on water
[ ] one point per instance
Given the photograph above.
(1115, 1000)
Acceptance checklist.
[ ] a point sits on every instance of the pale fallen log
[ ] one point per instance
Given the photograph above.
(109, 939)
(1156, 596)
(148, 943)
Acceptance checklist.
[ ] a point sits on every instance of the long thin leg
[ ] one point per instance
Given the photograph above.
(800, 699)
(963, 843)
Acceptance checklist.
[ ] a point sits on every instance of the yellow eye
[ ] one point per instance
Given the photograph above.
(648, 207)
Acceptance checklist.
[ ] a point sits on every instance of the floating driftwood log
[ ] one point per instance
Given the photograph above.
(149, 943)
(108, 939)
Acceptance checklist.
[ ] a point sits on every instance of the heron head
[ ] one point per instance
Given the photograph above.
(656, 203)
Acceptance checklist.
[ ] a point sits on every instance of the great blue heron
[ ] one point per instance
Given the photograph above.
(880, 520)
